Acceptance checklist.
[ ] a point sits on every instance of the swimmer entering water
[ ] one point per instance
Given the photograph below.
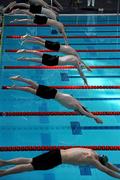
(54, 46)
(34, 8)
(41, 19)
(52, 60)
(51, 93)
(53, 158)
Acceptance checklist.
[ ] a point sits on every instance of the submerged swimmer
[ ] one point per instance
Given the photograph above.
(53, 158)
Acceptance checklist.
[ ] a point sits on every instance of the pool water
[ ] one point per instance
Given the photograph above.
(59, 130)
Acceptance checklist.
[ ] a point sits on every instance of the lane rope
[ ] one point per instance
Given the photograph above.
(55, 113)
(74, 87)
(44, 148)
(79, 50)
(58, 67)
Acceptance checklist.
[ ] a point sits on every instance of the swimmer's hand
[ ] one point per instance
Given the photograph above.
(99, 121)
(87, 67)
(85, 82)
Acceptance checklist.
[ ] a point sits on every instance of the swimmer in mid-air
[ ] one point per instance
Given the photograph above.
(52, 60)
(33, 7)
(54, 46)
(52, 93)
(41, 19)
(51, 159)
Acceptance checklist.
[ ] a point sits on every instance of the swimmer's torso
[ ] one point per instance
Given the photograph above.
(77, 156)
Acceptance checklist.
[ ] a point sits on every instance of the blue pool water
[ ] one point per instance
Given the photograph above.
(57, 130)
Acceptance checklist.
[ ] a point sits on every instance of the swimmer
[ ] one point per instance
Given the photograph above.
(34, 8)
(41, 19)
(7, 8)
(54, 46)
(52, 60)
(54, 158)
(51, 93)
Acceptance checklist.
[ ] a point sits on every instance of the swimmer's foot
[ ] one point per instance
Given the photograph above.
(3, 163)
(21, 51)
(21, 58)
(26, 36)
(13, 87)
(2, 173)
(16, 78)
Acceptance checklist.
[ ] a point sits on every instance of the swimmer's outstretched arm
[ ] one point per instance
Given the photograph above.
(60, 27)
(105, 169)
(113, 167)
(88, 114)
(81, 73)
(87, 67)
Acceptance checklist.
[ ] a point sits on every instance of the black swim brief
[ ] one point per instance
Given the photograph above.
(46, 92)
(55, 46)
(35, 9)
(47, 160)
(40, 19)
(50, 60)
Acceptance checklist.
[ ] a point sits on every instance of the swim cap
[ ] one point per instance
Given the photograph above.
(103, 159)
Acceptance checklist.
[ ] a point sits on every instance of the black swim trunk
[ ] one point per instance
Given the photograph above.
(47, 161)
(35, 9)
(50, 60)
(39, 19)
(55, 46)
(46, 92)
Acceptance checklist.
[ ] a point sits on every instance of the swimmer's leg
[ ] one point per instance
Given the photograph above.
(25, 88)
(30, 51)
(9, 6)
(21, 6)
(16, 169)
(33, 39)
(15, 161)
(28, 81)
(38, 60)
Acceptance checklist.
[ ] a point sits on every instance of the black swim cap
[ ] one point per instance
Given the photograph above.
(103, 159)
